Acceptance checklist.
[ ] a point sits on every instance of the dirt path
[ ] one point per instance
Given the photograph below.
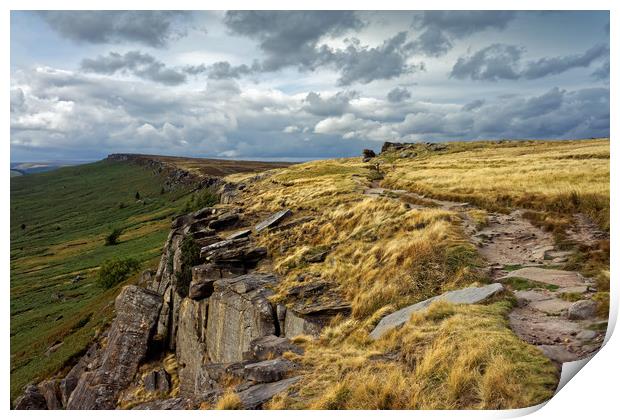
(525, 260)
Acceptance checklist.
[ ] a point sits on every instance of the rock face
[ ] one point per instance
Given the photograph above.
(469, 295)
(239, 312)
(191, 349)
(137, 310)
(157, 380)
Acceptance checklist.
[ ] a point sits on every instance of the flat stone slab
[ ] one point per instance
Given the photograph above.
(469, 295)
(558, 278)
(257, 395)
(551, 306)
(239, 234)
(272, 220)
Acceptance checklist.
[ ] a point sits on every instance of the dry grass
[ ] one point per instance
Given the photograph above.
(229, 401)
(565, 177)
(449, 357)
(383, 256)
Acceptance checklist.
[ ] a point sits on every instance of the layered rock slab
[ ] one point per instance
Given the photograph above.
(137, 310)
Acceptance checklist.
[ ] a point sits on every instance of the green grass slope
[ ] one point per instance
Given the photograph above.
(58, 224)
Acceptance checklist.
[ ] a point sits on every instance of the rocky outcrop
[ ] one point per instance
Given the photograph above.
(239, 311)
(469, 295)
(137, 310)
(31, 399)
(174, 176)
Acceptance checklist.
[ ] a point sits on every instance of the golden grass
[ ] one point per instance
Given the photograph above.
(229, 401)
(384, 255)
(560, 176)
(449, 357)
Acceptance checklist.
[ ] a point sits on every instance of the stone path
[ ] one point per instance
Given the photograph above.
(524, 259)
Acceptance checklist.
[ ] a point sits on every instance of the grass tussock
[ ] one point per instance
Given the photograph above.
(229, 401)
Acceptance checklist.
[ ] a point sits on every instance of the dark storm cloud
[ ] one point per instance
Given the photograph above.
(334, 105)
(292, 39)
(136, 63)
(497, 61)
(470, 106)
(398, 94)
(289, 38)
(501, 61)
(441, 27)
(358, 63)
(152, 28)
(556, 65)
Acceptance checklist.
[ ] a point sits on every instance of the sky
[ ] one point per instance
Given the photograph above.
(300, 85)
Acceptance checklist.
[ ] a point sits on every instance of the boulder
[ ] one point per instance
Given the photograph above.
(272, 220)
(239, 311)
(269, 347)
(137, 310)
(157, 380)
(31, 399)
(255, 396)
(269, 370)
(469, 295)
(582, 309)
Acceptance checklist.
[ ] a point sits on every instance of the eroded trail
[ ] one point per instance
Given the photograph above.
(554, 308)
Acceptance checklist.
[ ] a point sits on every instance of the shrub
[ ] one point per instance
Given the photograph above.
(137, 195)
(112, 238)
(190, 256)
(115, 271)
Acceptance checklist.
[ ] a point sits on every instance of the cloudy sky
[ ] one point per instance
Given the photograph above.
(300, 84)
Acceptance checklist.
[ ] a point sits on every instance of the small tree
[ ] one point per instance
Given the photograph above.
(137, 195)
(23, 226)
(112, 238)
(115, 271)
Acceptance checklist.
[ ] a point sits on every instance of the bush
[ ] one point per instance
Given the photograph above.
(112, 238)
(137, 195)
(190, 256)
(115, 271)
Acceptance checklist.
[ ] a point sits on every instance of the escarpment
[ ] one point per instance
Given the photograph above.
(208, 308)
